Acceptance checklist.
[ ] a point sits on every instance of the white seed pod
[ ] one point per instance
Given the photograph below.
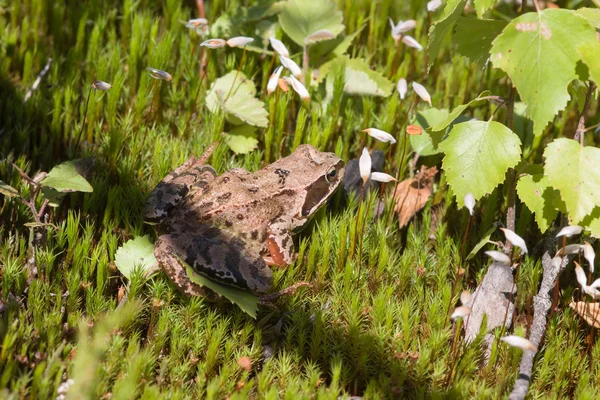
(465, 297)
(580, 274)
(318, 36)
(402, 88)
(469, 201)
(422, 92)
(195, 23)
(380, 135)
(101, 85)
(299, 88)
(556, 262)
(498, 256)
(291, 66)
(279, 47)
(520, 342)
(460, 312)
(382, 177)
(239, 41)
(589, 255)
(411, 42)
(515, 239)
(433, 5)
(274, 80)
(214, 43)
(364, 165)
(570, 230)
(159, 74)
(569, 249)
(595, 284)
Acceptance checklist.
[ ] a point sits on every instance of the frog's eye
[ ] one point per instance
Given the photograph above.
(331, 174)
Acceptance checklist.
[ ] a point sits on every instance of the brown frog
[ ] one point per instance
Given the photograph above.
(231, 227)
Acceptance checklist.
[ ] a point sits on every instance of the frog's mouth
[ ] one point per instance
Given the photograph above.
(321, 190)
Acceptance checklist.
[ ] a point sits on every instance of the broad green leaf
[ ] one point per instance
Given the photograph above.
(242, 139)
(539, 197)
(360, 79)
(592, 222)
(484, 240)
(574, 171)
(442, 27)
(592, 15)
(301, 18)
(437, 131)
(539, 53)
(65, 178)
(241, 104)
(138, 251)
(481, 6)
(478, 154)
(590, 55)
(246, 301)
(8, 190)
(422, 143)
(474, 37)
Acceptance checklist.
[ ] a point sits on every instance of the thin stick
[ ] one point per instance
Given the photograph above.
(512, 182)
(579, 133)
(87, 102)
(236, 75)
(38, 80)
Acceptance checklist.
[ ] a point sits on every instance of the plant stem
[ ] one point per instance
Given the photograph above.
(579, 133)
(360, 200)
(236, 75)
(305, 60)
(87, 102)
(189, 118)
(512, 176)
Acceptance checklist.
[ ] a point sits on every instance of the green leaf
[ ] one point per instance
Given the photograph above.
(301, 18)
(474, 37)
(442, 27)
(477, 156)
(592, 222)
(422, 143)
(481, 6)
(246, 301)
(138, 251)
(539, 197)
(590, 55)
(484, 240)
(360, 79)
(8, 190)
(65, 178)
(241, 140)
(437, 131)
(539, 53)
(592, 15)
(241, 104)
(573, 170)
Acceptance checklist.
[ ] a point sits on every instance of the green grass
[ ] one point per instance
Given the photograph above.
(376, 327)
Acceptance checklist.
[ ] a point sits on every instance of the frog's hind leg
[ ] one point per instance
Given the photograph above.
(175, 186)
(213, 253)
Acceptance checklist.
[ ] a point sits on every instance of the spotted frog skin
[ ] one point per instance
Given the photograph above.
(231, 228)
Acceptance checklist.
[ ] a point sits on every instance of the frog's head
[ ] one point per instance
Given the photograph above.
(319, 174)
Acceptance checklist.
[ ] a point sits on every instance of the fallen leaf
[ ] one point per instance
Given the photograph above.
(590, 312)
(412, 194)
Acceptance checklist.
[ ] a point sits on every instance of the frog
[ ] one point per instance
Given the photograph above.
(232, 228)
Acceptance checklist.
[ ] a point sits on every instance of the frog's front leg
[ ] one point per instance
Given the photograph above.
(280, 243)
(175, 186)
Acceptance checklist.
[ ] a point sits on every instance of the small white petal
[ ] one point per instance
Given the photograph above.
(595, 284)
(194, 23)
(101, 85)
(556, 262)
(274, 80)
(433, 5)
(382, 177)
(299, 88)
(214, 43)
(394, 28)
(364, 165)
(515, 239)
(594, 293)
(520, 342)
(380, 135)
(318, 36)
(498, 256)
(405, 26)
(465, 297)
(402, 88)
(422, 92)
(460, 312)
(239, 41)
(569, 249)
(291, 66)
(589, 255)
(159, 74)
(570, 230)
(580, 273)
(411, 42)
(279, 47)
(469, 201)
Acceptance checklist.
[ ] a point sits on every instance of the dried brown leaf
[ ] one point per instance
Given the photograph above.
(412, 194)
(590, 312)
